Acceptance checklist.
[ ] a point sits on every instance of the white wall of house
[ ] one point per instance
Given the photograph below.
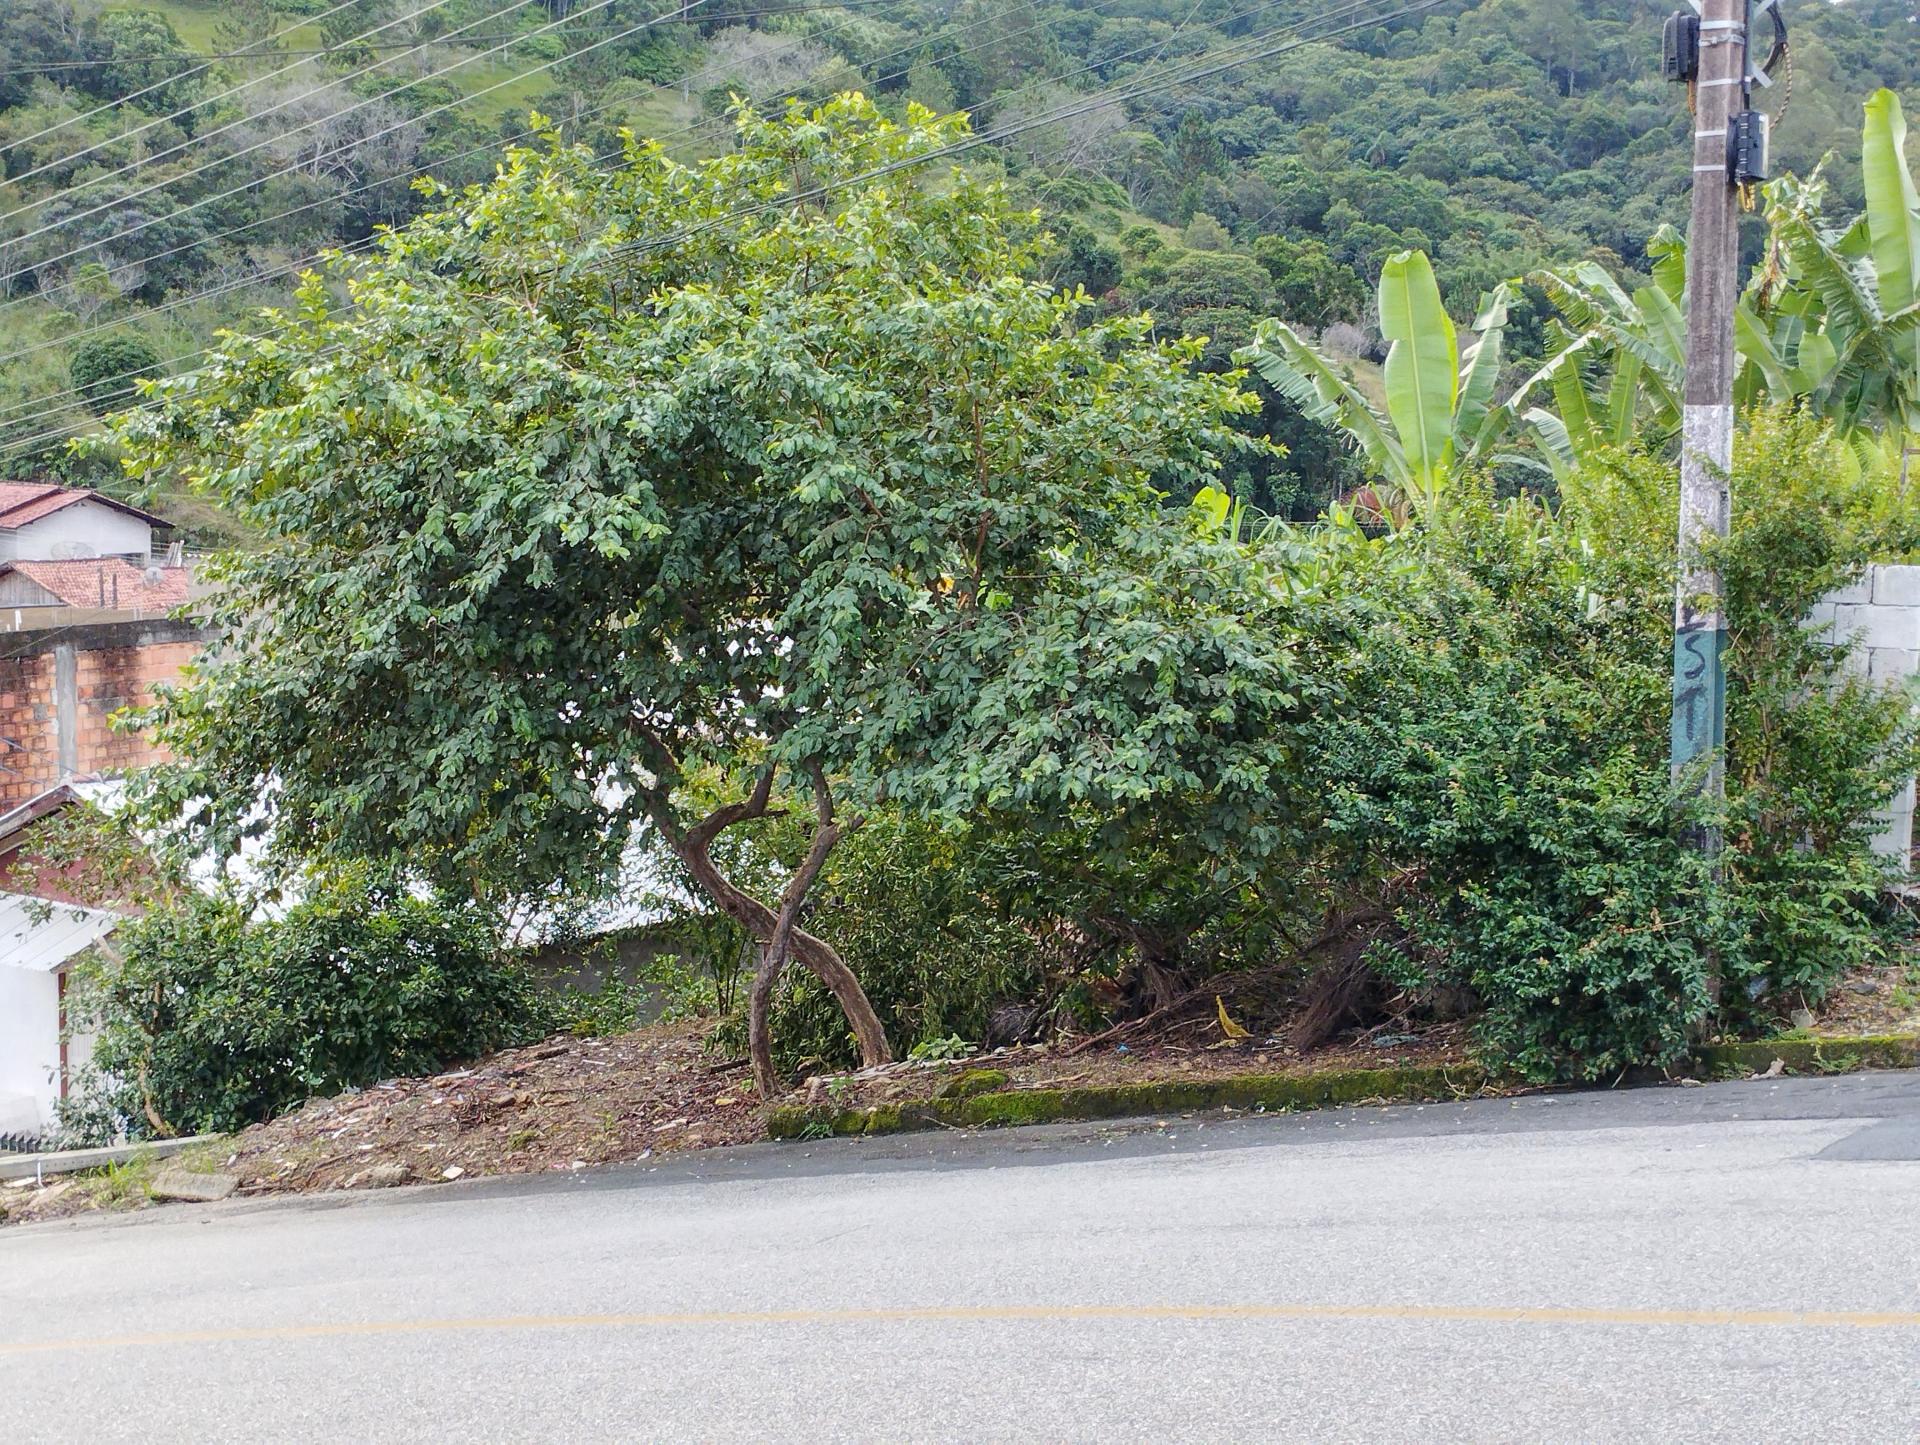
(85, 529)
(29, 1048)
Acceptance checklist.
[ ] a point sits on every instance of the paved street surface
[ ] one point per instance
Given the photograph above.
(1740, 1262)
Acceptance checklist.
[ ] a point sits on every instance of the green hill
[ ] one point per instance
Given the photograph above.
(1495, 134)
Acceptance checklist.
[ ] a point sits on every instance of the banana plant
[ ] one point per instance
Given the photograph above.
(1618, 360)
(1861, 282)
(1440, 407)
(1829, 317)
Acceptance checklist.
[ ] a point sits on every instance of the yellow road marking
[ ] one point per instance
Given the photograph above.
(1475, 1314)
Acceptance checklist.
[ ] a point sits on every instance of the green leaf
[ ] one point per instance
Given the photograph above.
(1668, 248)
(1753, 343)
(1214, 507)
(1893, 206)
(1893, 219)
(1623, 395)
(1852, 306)
(1555, 445)
(1813, 361)
(1573, 429)
(1477, 422)
(1423, 367)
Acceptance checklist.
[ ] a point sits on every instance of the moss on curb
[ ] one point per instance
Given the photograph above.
(1808, 1054)
(972, 1082)
(1286, 1092)
(1277, 1092)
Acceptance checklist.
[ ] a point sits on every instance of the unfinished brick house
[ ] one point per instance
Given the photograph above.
(86, 629)
(59, 686)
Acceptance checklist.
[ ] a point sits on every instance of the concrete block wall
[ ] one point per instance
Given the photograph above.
(1880, 615)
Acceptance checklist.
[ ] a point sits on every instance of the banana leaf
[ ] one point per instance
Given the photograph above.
(1423, 367)
(1308, 380)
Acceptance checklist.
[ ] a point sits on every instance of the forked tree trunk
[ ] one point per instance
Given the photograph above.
(779, 933)
(826, 833)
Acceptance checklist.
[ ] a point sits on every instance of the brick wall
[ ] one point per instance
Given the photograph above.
(1881, 614)
(58, 688)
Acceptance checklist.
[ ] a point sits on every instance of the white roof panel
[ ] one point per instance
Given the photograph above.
(29, 941)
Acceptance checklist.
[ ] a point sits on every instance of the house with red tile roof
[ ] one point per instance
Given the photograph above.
(43, 522)
(101, 584)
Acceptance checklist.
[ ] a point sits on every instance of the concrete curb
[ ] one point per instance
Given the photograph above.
(72, 1161)
(1290, 1092)
(1254, 1092)
(1808, 1055)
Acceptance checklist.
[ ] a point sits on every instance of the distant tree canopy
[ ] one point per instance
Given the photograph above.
(105, 369)
(1500, 137)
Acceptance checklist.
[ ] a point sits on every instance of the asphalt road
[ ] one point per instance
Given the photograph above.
(1740, 1262)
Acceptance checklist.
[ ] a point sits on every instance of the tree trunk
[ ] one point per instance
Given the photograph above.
(760, 999)
(693, 848)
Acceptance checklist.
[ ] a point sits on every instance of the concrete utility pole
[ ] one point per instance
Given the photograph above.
(1706, 427)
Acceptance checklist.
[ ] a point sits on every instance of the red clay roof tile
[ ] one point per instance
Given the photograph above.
(107, 582)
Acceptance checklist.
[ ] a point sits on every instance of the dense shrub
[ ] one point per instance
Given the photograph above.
(1500, 777)
(1500, 769)
(1486, 764)
(1814, 748)
(996, 929)
(208, 1021)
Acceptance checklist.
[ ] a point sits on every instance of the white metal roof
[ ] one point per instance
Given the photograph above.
(45, 944)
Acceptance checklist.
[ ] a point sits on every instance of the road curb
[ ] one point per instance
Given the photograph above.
(73, 1161)
(1253, 1092)
(1808, 1055)
(1278, 1093)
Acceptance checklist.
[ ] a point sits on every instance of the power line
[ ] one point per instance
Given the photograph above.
(471, 150)
(247, 282)
(245, 120)
(188, 110)
(1210, 64)
(257, 53)
(158, 85)
(293, 268)
(338, 150)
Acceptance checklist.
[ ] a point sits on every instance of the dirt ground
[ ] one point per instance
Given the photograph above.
(572, 1103)
(1883, 1000)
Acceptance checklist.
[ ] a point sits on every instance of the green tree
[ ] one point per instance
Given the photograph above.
(664, 497)
(1090, 261)
(1205, 233)
(928, 84)
(34, 32)
(1310, 287)
(135, 49)
(1212, 279)
(104, 370)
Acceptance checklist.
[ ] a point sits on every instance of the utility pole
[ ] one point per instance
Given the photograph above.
(1706, 426)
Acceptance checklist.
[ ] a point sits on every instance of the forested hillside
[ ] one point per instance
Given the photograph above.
(171, 166)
